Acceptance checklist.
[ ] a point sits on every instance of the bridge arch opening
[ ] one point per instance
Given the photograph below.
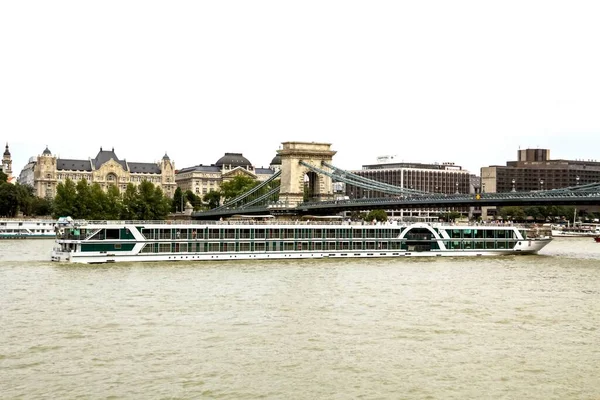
(311, 186)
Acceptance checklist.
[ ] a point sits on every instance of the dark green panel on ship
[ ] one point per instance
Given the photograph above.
(87, 247)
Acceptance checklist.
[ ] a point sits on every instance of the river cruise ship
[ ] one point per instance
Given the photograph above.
(27, 229)
(133, 241)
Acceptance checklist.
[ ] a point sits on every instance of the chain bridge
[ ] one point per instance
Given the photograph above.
(304, 186)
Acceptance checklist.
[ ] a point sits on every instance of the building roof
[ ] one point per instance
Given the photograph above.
(276, 160)
(47, 152)
(143, 168)
(104, 156)
(6, 152)
(233, 159)
(200, 168)
(73, 165)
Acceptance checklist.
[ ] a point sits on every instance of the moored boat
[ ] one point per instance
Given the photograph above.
(579, 230)
(27, 229)
(115, 241)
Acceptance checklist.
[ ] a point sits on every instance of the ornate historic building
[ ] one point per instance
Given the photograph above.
(202, 179)
(45, 171)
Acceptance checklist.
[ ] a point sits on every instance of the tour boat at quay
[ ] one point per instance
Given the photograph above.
(27, 228)
(133, 241)
(579, 230)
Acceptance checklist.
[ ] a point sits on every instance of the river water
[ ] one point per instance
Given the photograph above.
(514, 327)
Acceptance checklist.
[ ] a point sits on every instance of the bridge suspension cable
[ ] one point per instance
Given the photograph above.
(246, 195)
(371, 181)
(365, 183)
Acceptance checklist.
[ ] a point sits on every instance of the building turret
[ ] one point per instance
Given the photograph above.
(7, 163)
(167, 168)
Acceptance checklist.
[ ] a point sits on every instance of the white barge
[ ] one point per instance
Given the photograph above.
(27, 229)
(133, 241)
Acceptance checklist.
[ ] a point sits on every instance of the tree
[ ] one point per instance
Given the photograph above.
(9, 200)
(66, 197)
(177, 201)
(195, 201)
(98, 203)
(3, 177)
(41, 206)
(145, 202)
(162, 204)
(513, 213)
(25, 198)
(83, 200)
(114, 203)
(450, 216)
(236, 186)
(130, 202)
(213, 198)
(379, 215)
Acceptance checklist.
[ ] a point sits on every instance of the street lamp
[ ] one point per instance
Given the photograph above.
(483, 188)
(541, 184)
(577, 180)
(513, 185)
(457, 187)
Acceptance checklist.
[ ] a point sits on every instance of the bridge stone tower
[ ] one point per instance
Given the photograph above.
(291, 191)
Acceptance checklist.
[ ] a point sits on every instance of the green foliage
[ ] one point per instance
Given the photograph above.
(41, 206)
(131, 200)
(3, 177)
(178, 202)
(98, 203)
(65, 200)
(513, 213)
(538, 213)
(15, 199)
(450, 216)
(195, 201)
(236, 186)
(212, 198)
(9, 200)
(84, 201)
(379, 215)
(114, 203)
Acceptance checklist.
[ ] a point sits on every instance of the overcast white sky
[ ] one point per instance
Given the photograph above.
(429, 81)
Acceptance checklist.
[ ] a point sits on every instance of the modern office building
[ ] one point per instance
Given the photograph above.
(201, 179)
(46, 171)
(440, 178)
(534, 170)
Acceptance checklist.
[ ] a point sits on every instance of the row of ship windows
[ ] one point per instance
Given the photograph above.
(316, 246)
(158, 234)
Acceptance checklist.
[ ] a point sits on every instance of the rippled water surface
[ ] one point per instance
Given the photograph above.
(522, 327)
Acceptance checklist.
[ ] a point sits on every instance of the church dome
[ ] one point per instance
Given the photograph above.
(6, 152)
(47, 152)
(166, 157)
(276, 160)
(233, 159)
